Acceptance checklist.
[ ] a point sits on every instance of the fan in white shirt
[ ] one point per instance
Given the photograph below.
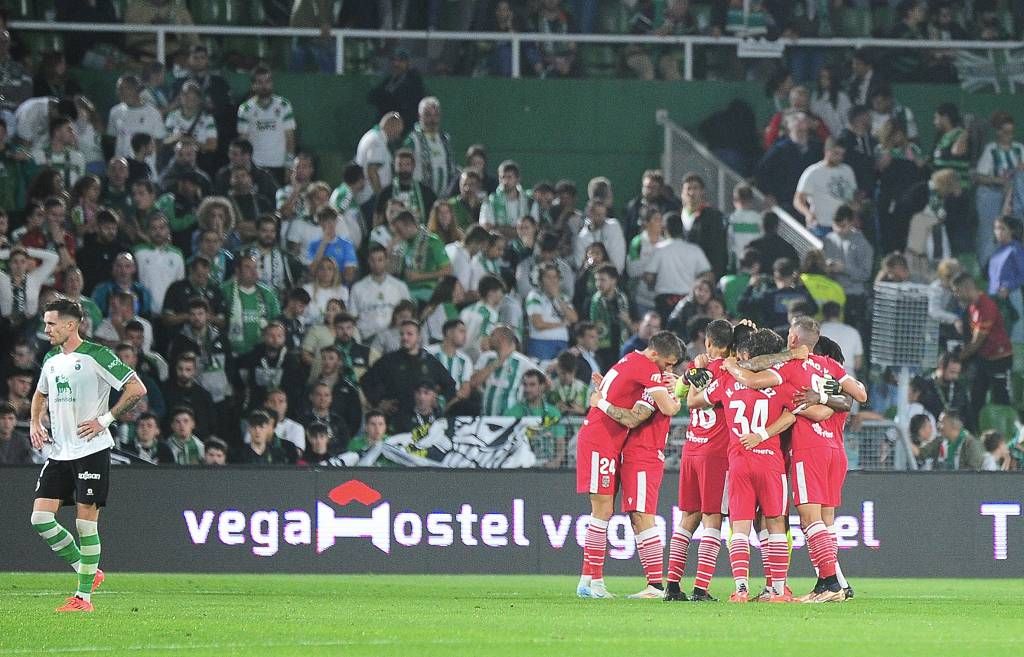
(374, 297)
(373, 153)
(130, 117)
(600, 228)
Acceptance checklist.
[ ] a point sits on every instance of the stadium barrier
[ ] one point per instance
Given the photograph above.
(448, 522)
(979, 66)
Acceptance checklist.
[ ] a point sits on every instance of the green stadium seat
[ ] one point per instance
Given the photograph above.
(854, 22)
(1000, 417)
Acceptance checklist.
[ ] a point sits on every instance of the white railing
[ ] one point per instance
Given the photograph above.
(516, 39)
(683, 152)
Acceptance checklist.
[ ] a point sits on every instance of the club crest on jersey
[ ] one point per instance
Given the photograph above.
(64, 391)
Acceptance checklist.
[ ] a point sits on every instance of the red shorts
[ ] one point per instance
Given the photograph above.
(816, 473)
(750, 490)
(838, 476)
(597, 465)
(702, 484)
(641, 481)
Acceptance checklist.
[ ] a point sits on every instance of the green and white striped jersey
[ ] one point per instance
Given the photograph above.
(503, 388)
(458, 364)
(77, 387)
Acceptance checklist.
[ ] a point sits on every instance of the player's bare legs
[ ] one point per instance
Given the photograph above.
(828, 516)
(595, 546)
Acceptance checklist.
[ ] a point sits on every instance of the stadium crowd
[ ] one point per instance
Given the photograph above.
(278, 318)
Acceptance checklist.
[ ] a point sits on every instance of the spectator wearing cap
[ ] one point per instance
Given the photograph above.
(333, 246)
(390, 382)
(185, 447)
(215, 452)
(15, 447)
(426, 410)
(321, 401)
(259, 447)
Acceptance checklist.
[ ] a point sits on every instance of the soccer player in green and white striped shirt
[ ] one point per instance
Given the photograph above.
(499, 373)
(74, 389)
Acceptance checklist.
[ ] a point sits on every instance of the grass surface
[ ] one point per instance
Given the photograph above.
(263, 616)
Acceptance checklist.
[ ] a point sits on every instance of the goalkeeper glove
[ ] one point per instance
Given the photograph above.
(832, 387)
(698, 377)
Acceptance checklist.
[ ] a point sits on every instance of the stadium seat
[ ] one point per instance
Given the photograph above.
(1000, 417)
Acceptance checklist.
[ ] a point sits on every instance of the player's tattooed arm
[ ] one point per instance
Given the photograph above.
(132, 393)
(627, 417)
(755, 380)
(766, 361)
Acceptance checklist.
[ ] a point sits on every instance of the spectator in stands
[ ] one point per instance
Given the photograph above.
(843, 334)
(333, 247)
(449, 352)
(482, 316)
(278, 269)
(120, 313)
(249, 305)
(442, 223)
(849, 259)
(390, 339)
(952, 151)
(692, 305)
(732, 286)
(997, 453)
(246, 197)
(215, 452)
(367, 444)
(556, 59)
(15, 447)
(32, 119)
(905, 64)
(321, 404)
(373, 151)
(390, 382)
(1006, 274)
(962, 450)
(267, 366)
(374, 297)
(20, 287)
(654, 193)
(287, 432)
(781, 167)
(19, 393)
(185, 167)
(743, 226)
(318, 446)
(641, 250)
(860, 145)
(417, 197)
(864, 78)
(432, 148)
(550, 313)
(799, 103)
(191, 120)
(268, 122)
(549, 438)
(901, 167)
(442, 306)
(466, 205)
(326, 284)
(96, 257)
(648, 325)
(214, 359)
(421, 256)
(316, 52)
(702, 224)
(609, 310)
(499, 372)
(147, 444)
(240, 153)
(884, 108)
(815, 278)
(770, 246)
(186, 448)
(767, 303)
(830, 102)
(488, 260)
(62, 153)
(989, 346)
(568, 393)
(259, 447)
(823, 187)
(503, 208)
(999, 161)
(585, 349)
(159, 262)
(462, 253)
(131, 117)
(143, 149)
(400, 91)
(523, 245)
(598, 227)
(674, 268)
(498, 61)
(122, 279)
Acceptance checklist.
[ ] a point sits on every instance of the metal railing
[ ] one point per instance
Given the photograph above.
(683, 152)
(516, 39)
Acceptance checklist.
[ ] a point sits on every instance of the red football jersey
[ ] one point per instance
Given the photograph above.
(747, 409)
(811, 373)
(707, 434)
(647, 441)
(623, 386)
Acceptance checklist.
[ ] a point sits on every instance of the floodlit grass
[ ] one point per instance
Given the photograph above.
(419, 616)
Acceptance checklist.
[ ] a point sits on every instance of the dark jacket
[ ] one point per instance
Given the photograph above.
(195, 397)
(708, 232)
(396, 374)
(770, 248)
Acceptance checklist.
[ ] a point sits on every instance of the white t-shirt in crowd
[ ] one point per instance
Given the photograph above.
(177, 123)
(265, 127)
(827, 188)
(848, 339)
(539, 303)
(372, 303)
(677, 264)
(124, 121)
(462, 263)
(373, 149)
(158, 268)
(610, 234)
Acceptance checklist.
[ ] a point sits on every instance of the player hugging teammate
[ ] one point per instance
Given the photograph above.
(766, 415)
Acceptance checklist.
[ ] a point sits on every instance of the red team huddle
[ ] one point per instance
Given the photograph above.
(763, 420)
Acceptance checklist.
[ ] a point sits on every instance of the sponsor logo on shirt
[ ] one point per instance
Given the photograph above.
(85, 476)
(64, 391)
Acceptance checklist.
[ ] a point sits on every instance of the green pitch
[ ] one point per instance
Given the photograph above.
(420, 616)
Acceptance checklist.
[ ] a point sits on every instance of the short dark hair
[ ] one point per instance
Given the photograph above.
(58, 122)
(667, 344)
(405, 217)
(831, 309)
(608, 270)
(299, 294)
(66, 308)
(373, 412)
(183, 410)
(260, 417)
(489, 283)
(990, 439)
(857, 111)
(259, 69)
(7, 409)
(828, 347)
(719, 331)
(352, 173)
(242, 144)
(693, 177)
(843, 214)
(770, 222)
(198, 302)
(784, 267)
(583, 327)
(106, 216)
(950, 111)
(674, 225)
(950, 413)
(451, 324)
(476, 233)
(964, 278)
(567, 361)
(410, 322)
(765, 341)
(537, 374)
(318, 429)
(215, 443)
(140, 139)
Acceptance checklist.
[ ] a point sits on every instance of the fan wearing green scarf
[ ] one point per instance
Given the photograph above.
(421, 258)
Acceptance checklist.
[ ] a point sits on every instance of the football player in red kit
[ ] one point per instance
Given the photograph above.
(815, 463)
(757, 474)
(602, 438)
